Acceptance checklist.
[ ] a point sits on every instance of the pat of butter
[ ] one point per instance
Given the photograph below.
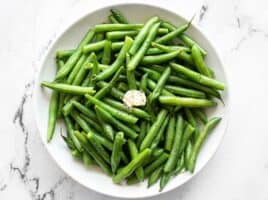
(134, 98)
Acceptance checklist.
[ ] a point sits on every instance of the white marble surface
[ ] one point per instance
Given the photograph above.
(239, 30)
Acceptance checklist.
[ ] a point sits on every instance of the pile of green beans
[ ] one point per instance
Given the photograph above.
(156, 141)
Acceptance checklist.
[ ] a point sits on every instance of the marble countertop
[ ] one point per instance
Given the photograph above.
(239, 30)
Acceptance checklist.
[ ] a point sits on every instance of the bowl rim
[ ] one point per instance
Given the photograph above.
(77, 19)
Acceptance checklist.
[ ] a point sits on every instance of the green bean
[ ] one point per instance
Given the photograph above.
(187, 154)
(169, 48)
(132, 166)
(188, 131)
(75, 140)
(161, 58)
(200, 140)
(192, 120)
(116, 27)
(95, 70)
(87, 160)
(63, 72)
(174, 154)
(83, 109)
(159, 86)
(159, 48)
(191, 84)
(153, 51)
(199, 62)
(141, 134)
(76, 154)
(82, 123)
(190, 117)
(153, 130)
(186, 102)
(158, 162)
(162, 31)
(201, 115)
(134, 153)
(185, 92)
(61, 54)
(105, 74)
(116, 46)
(130, 75)
(114, 92)
(71, 135)
(119, 125)
(143, 84)
(160, 133)
(170, 133)
(197, 77)
(71, 89)
(142, 35)
(189, 42)
(171, 35)
(144, 47)
(90, 149)
(52, 116)
(94, 46)
(69, 125)
(103, 141)
(117, 149)
(91, 122)
(80, 76)
(115, 35)
(113, 20)
(76, 69)
(135, 111)
(107, 128)
(98, 147)
(182, 55)
(114, 112)
(107, 50)
(154, 177)
(103, 66)
(119, 16)
(60, 104)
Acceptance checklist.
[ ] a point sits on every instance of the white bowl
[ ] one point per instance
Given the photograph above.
(93, 178)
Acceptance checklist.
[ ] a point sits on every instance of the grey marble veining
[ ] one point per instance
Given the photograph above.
(239, 30)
